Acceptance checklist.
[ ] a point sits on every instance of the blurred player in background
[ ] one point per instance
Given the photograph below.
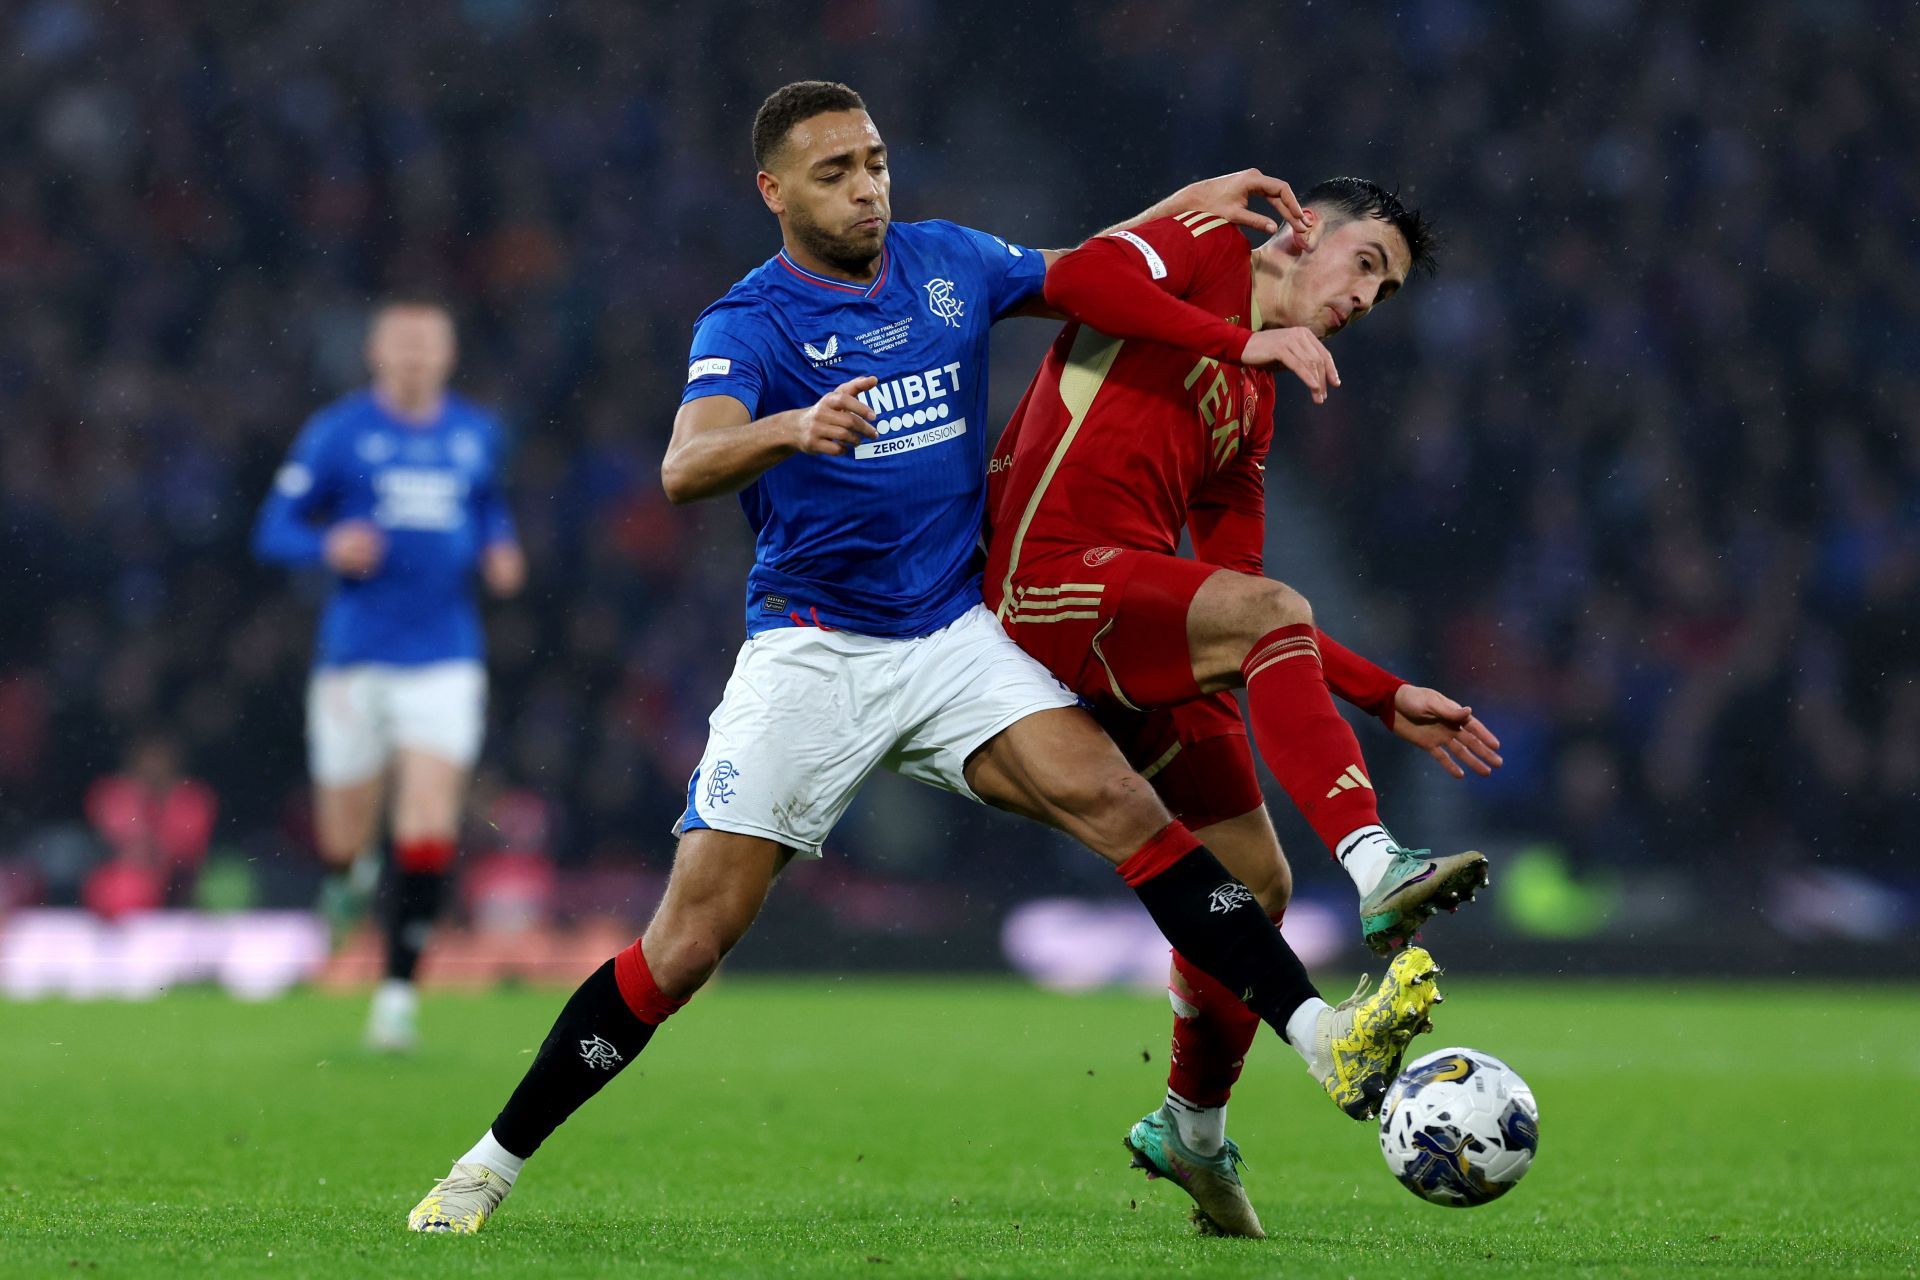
(840, 389)
(396, 491)
(1152, 413)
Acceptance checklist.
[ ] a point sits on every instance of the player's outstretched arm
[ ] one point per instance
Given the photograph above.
(1229, 196)
(718, 447)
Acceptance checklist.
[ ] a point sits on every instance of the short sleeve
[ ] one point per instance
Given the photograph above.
(726, 358)
(1013, 274)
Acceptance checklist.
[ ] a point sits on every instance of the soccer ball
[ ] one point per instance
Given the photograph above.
(1459, 1128)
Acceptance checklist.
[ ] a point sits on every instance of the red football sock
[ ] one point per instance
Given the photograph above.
(432, 854)
(1310, 750)
(1210, 1048)
(643, 995)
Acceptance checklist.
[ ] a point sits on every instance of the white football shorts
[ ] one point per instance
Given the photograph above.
(809, 713)
(358, 715)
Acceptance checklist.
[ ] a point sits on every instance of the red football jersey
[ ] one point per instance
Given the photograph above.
(1121, 443)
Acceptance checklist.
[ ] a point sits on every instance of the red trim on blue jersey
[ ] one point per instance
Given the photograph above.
(879, 278)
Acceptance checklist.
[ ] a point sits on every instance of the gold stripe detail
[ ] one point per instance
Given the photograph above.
(1190, 217)
(1068, 616)
(1201, 229)
(1095, 587)
(1274, 662)
(1112, 682)
(1299, 646)
(1146, 774)
(1088, 362)
(1055, 602)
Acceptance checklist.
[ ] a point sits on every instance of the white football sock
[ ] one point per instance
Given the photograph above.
(490, 1153)
(1203, 1129)
(1366, 853)
(1301, 1028)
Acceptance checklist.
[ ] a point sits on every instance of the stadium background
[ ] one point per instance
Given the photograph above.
(1634, 475)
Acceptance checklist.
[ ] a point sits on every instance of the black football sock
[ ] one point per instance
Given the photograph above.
(1216, 922)
(416, 902)
(592, 1040)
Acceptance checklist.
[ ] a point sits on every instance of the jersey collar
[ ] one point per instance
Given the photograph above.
(841, 286)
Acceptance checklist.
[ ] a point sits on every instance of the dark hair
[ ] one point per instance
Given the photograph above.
(1352, 198)
(790, 104)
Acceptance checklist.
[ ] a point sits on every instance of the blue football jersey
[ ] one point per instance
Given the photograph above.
(882, 540)
(433, 489)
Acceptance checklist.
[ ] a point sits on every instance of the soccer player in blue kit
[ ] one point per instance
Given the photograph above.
(840, 390)
(395, 489)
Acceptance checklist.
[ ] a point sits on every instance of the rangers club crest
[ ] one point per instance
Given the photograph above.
(599, 1054)
(718, 789)
(941, 301)
(1228, 896)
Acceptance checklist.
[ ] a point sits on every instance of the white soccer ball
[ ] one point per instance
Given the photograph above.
(1459, 1128)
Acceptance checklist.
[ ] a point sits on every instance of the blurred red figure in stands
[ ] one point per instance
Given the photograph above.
(157, 822)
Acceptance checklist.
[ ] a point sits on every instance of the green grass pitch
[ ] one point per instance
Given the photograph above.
(947, 1128)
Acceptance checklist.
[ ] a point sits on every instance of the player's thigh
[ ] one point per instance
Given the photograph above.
(428, 791)
(1229, 613)
(348, 735)
(982, 718)
(1058, 767)
(346, 818)
(347, 753)
(719, 881)
(804, 719)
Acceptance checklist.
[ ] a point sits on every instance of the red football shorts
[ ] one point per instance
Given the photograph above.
(1112, 625)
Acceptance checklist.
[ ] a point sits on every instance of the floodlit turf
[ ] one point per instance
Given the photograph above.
(863, 1128)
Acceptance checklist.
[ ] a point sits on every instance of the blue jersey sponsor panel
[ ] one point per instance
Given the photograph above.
(884, 539)
(433, 490)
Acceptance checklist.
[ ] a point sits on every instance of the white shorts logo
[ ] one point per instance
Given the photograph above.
(711, 367)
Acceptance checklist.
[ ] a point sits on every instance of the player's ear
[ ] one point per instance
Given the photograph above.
(770, 193)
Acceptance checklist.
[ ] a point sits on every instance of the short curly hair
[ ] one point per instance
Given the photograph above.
(792, 103)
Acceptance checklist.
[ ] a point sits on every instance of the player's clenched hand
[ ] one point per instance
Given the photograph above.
(1296, 349)
(1445, 730)
(354, 548)
(1229, 195)
(837, 421)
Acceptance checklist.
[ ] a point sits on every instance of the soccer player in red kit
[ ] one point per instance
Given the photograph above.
(1152, 413)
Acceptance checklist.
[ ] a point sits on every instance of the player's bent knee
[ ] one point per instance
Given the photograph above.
(683, 960)
(1282, 606)
(1116, 812)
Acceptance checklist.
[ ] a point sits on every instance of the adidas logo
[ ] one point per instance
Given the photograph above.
(1348, 781)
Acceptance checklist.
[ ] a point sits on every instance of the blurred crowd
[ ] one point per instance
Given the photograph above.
(1635, 473)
